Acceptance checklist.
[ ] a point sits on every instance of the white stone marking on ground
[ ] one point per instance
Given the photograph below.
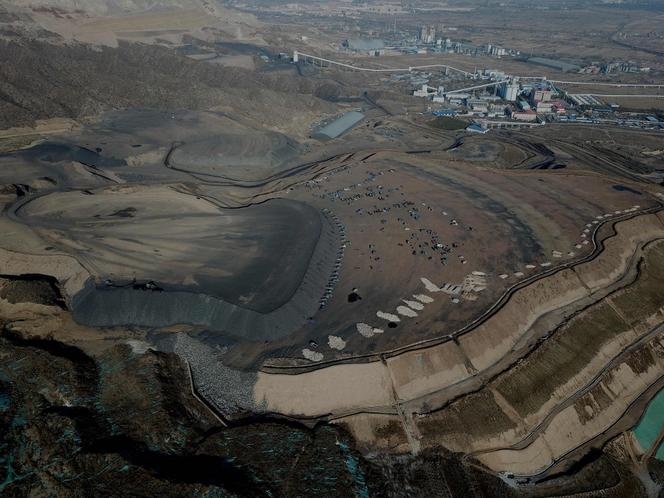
(585, 242)
(423, 298)
(479, 273)
(455, 300)
(530, 267)
(368, 330)
(312, 355)
(473, 282)
(518, 274)
(578, 246)
(414, 304)
(336, 342)
(388, 316)
(429, 285)
(503, 276)
(406, 311)
(364, 329)
(545, 264)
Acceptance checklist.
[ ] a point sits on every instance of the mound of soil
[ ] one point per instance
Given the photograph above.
(31, 289)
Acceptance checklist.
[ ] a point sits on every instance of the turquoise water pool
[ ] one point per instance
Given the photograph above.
(650, 424)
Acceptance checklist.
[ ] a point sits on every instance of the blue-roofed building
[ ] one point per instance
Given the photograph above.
(339, 126)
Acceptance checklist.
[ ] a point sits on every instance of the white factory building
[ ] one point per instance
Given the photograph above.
(509, 91)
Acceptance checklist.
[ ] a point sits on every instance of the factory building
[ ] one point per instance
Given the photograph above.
(445, 112)
(509, 91)
(495, 50)
(477, 105)
(523, 105)
(423, 91)
(525, 115)
(623, 67)
(370, 46)
(495, 74)
(427, 34)
(458, 95)
(544, 107)
(540, 95)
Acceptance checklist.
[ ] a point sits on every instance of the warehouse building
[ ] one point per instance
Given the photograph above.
(339, 126)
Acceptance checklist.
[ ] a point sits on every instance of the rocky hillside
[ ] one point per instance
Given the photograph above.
(39, 80)
(108, 7)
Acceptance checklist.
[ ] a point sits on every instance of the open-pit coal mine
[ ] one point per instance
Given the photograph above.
(272, 250)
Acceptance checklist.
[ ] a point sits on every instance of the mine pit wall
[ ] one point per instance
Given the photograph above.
(590, 415)
(627, 359)
(489, 342)
(359, 390)
(418, 373)
(424, 371)
(607, 268)
(603, 356)
(626, 367)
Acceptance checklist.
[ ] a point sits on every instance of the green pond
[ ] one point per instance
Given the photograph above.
(650, 424)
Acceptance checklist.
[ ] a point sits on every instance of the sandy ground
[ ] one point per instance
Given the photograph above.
(40, 321)
(42, 127)
(243, 61)
(331, 390)
(104, 227)
(100, 27)
(398, 209)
